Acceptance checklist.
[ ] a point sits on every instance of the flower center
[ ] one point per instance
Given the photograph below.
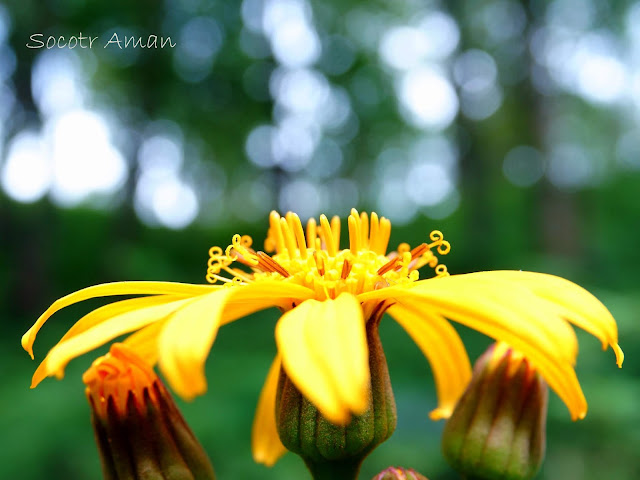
(314, 259)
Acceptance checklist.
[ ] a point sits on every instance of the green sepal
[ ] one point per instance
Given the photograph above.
(497, 430)
(334, 451)
(148, 441)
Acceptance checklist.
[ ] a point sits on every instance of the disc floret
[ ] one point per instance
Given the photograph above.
(314, 259)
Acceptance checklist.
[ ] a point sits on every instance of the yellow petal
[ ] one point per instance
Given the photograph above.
(573, 302)
(125, 322)
(265, 441)
(442, 346)
(243, 302)
(263, 294)
(505, 306)
(101, 314)
(145, 341)
(504, 325)
(186, 339)
(107, 289)
(509, 311)
(324, 352)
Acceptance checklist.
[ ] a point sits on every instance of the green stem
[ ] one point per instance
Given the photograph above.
(337, 470)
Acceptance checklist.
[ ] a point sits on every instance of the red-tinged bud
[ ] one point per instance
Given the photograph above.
(399, 473)
(497, 430)
(138, 428)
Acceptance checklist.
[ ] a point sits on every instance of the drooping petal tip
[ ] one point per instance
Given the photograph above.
(619, 354)
(445, 351)
(27, 343)
(266, 446)
(440, 413)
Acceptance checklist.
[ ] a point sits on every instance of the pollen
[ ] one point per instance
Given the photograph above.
(312, 256)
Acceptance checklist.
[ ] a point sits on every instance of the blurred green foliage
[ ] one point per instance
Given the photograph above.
(588, 232)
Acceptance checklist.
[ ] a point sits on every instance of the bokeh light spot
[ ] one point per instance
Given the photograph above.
(26, 172)
(427, 98)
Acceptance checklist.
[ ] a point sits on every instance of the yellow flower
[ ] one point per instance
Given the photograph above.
(326, 295)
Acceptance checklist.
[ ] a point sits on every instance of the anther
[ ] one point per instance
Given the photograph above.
(388, 266)
(419, 250)
(268, 264)
(346, 269)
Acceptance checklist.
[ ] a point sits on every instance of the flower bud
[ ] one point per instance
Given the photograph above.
(139, 431)
(337, 451)
(399, 473)
(497, 430)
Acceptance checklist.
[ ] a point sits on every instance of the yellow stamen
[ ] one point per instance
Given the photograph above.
(296, 226)
(335, 228)
(218, 261)
(242, 246)
(316, 261)
(382, 239)
(428, 258)
(373, 233)
(274, 221)
(441, 271)
(269, 242)
(311, 233)
(353, 235)
(213, 278)
(404, 263)
(364, 230)
(357, 234)
(444, 247)
(403, 247)
(240, 276)
(327, 235)
(289, 239)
